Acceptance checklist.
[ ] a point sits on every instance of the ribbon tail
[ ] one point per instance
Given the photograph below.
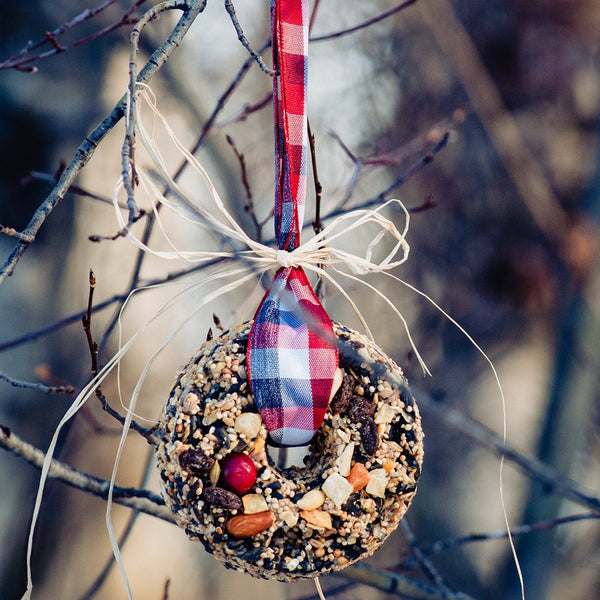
(292, 358)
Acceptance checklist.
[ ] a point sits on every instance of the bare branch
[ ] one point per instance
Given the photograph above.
(142, 500)
(93, 347)
(398, 585)
(40, 387)
(364, 24)
(22, 61)
(88, 146)
(240, 33)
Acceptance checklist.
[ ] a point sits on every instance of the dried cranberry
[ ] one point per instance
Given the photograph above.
(238, 472)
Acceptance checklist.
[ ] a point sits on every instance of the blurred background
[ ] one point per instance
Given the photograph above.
(504, 236)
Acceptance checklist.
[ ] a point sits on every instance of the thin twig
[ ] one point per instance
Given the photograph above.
(249, 206)
(142, 500)
(128, 171)
(93, 348)
(317, 224)
(40, 387)
(421, 559)
(531, 466)
(74, 189)
(500, 534)
(244, 40)
(364, 24)
(22, 62)
(89, 145)
(395, 584)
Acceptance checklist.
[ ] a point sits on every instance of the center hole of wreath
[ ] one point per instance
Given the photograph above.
(292, 456)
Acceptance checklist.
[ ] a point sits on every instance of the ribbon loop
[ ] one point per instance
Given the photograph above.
(292, 355)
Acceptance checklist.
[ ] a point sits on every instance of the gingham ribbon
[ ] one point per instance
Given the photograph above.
(291, 355)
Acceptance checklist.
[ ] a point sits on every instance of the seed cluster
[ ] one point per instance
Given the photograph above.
(359, 477)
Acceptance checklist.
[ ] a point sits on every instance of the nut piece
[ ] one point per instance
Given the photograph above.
(338, 379)
(248, 424)
(337, 488)
(221, 498)
(243, 526)
(289, 518)
(254, 503)
(195, 461)
(344, 460)
(317, 519)
(311, 500)
(369, 437)
(339, 403)
(359, 476)
(377, 483)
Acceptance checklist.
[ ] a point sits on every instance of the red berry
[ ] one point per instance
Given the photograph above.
(239, 472)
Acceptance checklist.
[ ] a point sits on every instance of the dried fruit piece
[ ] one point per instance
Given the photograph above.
(221, 498)
(359, 476)
(243, 526)
(254, 503)
(195, 461)
(360, 409)
(389, 465)
(369, 437)
(337, 488)
(317, 519)
(340, 401)
(311, 500)
(377, 483)
(239, 472)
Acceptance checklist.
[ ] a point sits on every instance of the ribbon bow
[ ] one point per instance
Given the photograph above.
(292, 356)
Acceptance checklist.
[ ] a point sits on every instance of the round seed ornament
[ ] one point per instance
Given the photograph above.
(292, 377)
(359, 477)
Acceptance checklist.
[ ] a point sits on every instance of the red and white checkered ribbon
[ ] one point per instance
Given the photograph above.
(292, 356)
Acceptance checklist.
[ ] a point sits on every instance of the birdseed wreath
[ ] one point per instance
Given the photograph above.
(225, 491)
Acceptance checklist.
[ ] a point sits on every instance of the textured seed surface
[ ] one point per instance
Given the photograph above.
(217, 496)
(279, 529)
(337, 488)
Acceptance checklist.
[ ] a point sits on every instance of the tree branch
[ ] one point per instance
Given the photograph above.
(142, 500)
(88, 146)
